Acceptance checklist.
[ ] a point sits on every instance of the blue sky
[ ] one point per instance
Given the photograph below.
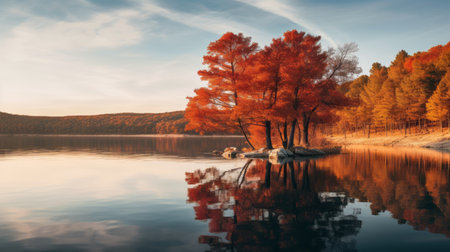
(108, 56)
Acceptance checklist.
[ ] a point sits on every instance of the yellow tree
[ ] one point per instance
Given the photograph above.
(438, 104)
(443, 62)
(350, 117)
(369, 95)
(397, 70)
(397, 73)
(385, 108)
(411, 99)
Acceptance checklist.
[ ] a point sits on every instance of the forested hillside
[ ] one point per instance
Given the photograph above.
(123, 123)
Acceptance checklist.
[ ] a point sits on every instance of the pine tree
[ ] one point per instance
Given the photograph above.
(385, 108)
(349, 115)
(438, 104)
(397, 70)
(411, 99)
(378, 74)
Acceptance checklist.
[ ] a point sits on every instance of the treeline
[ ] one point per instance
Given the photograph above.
(412, 92)
(123, 123)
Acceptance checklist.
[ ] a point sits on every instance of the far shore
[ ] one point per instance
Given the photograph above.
(434, 140)
(120, 135)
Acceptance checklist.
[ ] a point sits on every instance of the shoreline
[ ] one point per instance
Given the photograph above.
(119, 135)
(432, 140)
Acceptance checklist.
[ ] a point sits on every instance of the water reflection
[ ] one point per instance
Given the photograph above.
(313, 205)
(184, 146)
(65, 194)
(273, 206)
(413, 186)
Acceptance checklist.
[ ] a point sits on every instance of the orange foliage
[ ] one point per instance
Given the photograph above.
(213, 108)
(427, 57)
(279, 85)
(407, 92)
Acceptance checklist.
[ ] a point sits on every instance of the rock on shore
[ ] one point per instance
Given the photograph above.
(230, 152)
(279, 153)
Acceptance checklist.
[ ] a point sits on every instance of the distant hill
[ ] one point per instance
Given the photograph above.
(123, 123)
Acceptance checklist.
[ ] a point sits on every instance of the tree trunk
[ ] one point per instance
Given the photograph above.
(385, 128)
(268, 135)
(292, 134)
(245, 134)
(425, 125)
(368, 132)
(305, 140)
(406, 127)
(440, 124)
(283, 139)
(285, 135)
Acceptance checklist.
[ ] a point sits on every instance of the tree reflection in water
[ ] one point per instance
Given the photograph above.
(265, 207)
(299, 205)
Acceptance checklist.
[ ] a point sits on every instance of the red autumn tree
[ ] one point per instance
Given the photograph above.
(214, 108)
(266, 103)
(306, 62)
(314, 77)
(284, 83)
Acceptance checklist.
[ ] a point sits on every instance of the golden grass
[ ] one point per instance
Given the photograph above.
(438, 140)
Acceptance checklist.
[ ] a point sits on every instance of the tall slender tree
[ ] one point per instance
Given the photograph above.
(439, 103)
(215, 107)
(378, 74)
(264, 102)
(306, 63)
(385, 108)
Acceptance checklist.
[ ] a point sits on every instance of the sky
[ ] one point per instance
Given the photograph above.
(83, 57)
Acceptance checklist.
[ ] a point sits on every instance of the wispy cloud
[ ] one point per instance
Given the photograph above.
(213, 22)
(284, 10)
(46, 61)
(40, 35)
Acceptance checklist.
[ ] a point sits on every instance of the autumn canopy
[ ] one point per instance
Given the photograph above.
(272, 89)
(413, 92)
(272, 95)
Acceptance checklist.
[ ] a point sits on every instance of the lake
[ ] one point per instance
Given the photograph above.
(169, 194)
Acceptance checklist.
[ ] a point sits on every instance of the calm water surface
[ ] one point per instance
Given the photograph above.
(168, 194)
